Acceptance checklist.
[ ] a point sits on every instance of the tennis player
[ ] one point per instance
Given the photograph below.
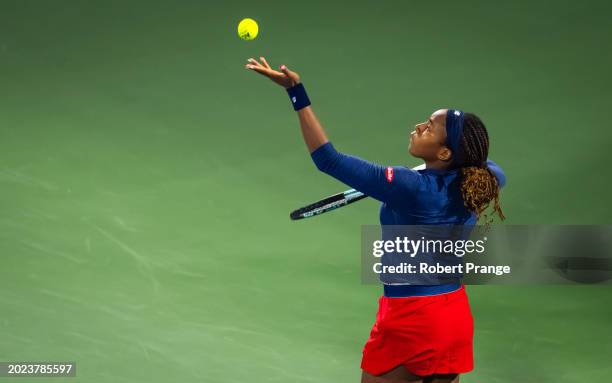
(422, 333)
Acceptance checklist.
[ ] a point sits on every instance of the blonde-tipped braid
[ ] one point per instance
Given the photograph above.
(479, 185)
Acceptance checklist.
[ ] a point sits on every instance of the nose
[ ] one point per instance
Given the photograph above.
(418, 128)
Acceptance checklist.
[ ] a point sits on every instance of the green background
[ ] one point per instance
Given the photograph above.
(146, 179)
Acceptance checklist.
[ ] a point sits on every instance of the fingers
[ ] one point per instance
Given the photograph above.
(285, 77)
(292, 75)
(259, 69)
(253, 62)
(265, 63)
(263, 67)
(256, 63)
(286, 71)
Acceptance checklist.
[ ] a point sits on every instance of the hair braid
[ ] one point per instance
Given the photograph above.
(479, 185)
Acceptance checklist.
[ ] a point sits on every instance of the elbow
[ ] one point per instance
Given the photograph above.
(325, 157)
(322, 166)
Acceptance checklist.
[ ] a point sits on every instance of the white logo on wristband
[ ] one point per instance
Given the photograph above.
(293, 99)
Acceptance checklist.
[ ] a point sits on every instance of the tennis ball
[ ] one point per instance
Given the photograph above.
(248, 29)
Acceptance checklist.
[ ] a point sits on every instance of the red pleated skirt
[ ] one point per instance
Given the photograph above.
(426, 334)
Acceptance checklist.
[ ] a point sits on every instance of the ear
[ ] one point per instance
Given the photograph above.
(444, 154)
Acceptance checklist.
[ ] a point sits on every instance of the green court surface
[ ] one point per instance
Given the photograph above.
(146, 180)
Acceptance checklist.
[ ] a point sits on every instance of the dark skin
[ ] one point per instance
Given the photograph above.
(427, 142)
(428, 139)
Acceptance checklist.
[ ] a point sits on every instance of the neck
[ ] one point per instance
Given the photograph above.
(437, 164)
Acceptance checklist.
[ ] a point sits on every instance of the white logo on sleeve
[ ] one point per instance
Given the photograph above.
(389, 173)
(293, 99)
(457, 113)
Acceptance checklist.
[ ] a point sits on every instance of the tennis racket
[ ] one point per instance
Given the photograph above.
(332, 202)
(328, 204)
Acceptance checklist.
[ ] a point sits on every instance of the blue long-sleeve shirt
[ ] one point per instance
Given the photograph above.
(410, 197)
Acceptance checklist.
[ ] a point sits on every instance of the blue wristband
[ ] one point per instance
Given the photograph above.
(298, 96)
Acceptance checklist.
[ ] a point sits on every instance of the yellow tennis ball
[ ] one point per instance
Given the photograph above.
(248, 29)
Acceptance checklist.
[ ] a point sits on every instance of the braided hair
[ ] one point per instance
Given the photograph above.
(479, 186)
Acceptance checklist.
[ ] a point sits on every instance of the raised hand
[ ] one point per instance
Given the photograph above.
(284, 77)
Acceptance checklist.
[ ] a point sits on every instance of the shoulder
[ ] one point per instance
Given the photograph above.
(498, 172)
(438, 180)
(403, 177)
(404, 171)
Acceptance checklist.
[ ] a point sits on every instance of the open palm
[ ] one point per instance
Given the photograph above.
(284, 77)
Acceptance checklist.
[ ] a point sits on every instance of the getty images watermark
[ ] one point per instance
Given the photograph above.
(504, 254)
(428, 249)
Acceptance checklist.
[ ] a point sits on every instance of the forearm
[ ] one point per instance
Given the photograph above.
(312, 131)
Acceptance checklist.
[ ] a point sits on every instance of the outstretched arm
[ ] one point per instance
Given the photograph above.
(390, 184)
(387, 184)
(312, 131)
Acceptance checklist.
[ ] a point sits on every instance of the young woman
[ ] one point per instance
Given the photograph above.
(423, 333)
